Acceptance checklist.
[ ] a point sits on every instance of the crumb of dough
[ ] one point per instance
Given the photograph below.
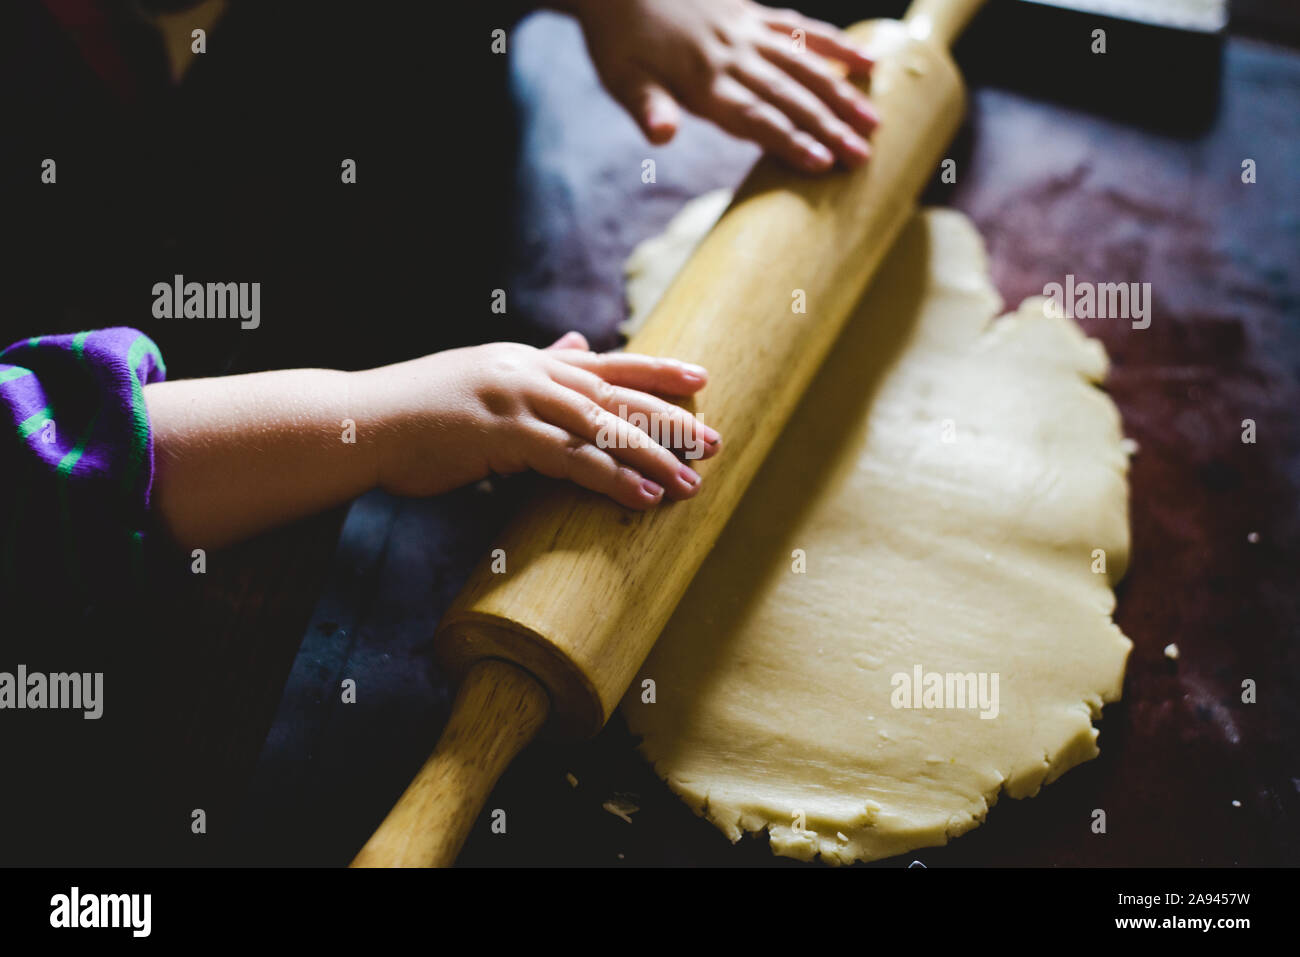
(621, 808)
(1128, 446)
(1171, 651)
(573, 782)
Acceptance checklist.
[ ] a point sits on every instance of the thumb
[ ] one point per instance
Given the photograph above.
(652, 106)
(570, 340)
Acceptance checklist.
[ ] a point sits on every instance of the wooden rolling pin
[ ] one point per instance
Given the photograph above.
(589, 585)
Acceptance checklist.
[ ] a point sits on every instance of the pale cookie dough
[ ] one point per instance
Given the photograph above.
(655, 261)
(954, 490)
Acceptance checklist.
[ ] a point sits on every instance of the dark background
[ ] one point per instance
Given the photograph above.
(1117, 168)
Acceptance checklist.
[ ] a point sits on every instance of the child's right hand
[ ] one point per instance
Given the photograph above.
(458, 416)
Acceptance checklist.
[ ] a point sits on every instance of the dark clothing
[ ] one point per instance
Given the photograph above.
(233, 176)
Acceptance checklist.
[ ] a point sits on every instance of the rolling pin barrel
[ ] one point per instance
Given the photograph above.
(588, 586)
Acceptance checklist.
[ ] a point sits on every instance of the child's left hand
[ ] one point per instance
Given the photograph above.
(736, 63)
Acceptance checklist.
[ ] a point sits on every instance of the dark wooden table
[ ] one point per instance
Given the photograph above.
(1188, 775)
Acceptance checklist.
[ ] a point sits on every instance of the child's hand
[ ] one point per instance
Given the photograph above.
(458, 416)
(736, 63)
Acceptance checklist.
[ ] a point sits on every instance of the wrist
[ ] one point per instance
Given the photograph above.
(366, 423)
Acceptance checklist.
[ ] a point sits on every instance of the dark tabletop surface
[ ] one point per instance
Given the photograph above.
(1054, 189)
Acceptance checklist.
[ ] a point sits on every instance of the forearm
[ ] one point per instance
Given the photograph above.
(237, 455)
(234, 456)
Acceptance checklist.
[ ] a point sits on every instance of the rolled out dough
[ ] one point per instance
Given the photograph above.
(954, 490)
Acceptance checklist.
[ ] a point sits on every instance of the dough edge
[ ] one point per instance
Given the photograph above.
(864, 840)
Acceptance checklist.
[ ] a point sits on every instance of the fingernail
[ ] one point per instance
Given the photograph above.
(659, 123)
(856, 145)
(689, 476)
(695, 375)
(651, 490)
(687, 367)
(867, 113)
(817, 155)
(710, 436)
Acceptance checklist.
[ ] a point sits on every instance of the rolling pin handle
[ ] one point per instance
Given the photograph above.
(497, 711)
(940, 21)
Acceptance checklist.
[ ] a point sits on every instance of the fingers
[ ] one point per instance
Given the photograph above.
(669, 425)
(578, 430)
(848, 102)
(634, 371)
(743, 113)
(804, 107)
(570, 340)
(650, 105)
(559, 454)
(821, 38)
(586, 420)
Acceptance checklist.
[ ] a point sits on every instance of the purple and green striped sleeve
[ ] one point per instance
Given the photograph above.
(78, 462)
